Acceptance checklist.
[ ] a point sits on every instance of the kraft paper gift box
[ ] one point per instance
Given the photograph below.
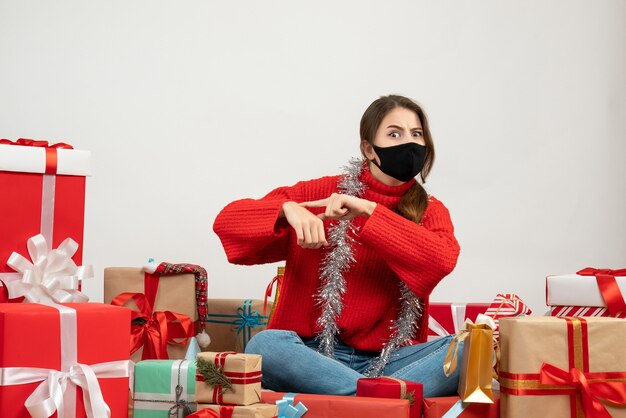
(228, 378)
(258, 410)
(231, 323)
(391, 387)
(562, 367)
(43, 191)
(164, 388)
(174, 293)
(589, 287)
(323, 406)
(439, 407)
(41, 345)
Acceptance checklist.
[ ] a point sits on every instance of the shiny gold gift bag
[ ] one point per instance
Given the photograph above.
(476, 370)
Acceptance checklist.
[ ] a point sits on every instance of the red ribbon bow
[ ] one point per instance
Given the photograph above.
(608, 287)
(204, 413)
(157, 328)
(592, 390)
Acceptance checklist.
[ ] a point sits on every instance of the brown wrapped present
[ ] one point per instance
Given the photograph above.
(173, 293)
(562, 367)
(228, 378)
(232, 322)
(258, 410)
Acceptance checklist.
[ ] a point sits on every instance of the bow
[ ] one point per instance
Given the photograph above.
(286, 408)
(590, 389)
(204, 413)
(181, 405)
(51, 277)
(608, 286)
(154, 330)
(35, 143)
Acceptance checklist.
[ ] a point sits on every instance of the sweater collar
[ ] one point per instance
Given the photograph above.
(381, 188)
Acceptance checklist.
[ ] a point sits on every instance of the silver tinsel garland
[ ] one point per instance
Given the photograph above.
(333, 268)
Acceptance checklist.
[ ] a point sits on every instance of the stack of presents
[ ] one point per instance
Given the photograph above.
(145, 352)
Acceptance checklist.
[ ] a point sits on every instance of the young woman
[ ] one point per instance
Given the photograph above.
(363, 251)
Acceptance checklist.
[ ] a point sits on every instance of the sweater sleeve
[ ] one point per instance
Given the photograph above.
(420, 254)
(251, 231)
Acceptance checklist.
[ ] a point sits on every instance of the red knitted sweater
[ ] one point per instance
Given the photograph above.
(390, 248)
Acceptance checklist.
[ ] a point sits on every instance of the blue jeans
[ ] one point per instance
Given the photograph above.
(293, 365)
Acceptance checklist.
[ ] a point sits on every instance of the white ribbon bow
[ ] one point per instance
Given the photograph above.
(48, 397)
(52, 276)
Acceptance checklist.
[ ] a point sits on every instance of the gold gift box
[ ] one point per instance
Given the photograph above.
(176, 293)
(259, 410)
(243, 371)
(529, 342)
(231, 323)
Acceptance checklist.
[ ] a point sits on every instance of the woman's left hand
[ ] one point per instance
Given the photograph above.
(341, 207)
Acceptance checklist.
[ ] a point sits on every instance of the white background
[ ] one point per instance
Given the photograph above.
(188, 105)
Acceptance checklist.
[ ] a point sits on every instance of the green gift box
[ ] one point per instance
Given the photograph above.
(164, 388)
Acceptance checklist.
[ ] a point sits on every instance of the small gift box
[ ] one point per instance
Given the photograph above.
(589, 287)
(323, 406)
(562, 367)
(232, 322)
(52, 358)
(164, 388)
(452, 407)
(258, 410)
(391, 387)
(228, 378)
(43, 192)
(167, 299)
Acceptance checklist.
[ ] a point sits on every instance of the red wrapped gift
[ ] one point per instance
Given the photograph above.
(391, 387)
(324, 406)
(438, 407)
(43, 191)
(55, 358)
(449, 318)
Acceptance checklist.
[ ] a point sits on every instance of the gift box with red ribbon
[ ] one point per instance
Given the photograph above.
(562, 367)
(165, 307)
(323, 406)
(257, 410)
(228, 378)
(52, 359)
(391, 387)
(43, 192)
(449, 318)
(452, 407)
(589, 287)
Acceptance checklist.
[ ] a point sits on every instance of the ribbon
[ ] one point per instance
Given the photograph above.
(154, 330)
(451, 359)
(456, 409)
(458, 320)
(278, 280)
(243, 322)
(611, 293)
(585, 388)
(205, 413)
(51, 150)
(58, 386)
(52, 276)
(286, 408)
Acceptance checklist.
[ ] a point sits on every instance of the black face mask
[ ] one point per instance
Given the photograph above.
(402, 162)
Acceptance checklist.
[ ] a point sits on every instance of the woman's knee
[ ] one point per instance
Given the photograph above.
(269, 340)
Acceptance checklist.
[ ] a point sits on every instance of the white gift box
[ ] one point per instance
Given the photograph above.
(577, 290)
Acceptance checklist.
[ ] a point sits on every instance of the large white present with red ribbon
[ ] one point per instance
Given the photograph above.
(449, 318)
(43, 192)
(589, 287)
(66, 361)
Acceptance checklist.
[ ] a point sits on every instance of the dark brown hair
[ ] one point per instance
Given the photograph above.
(414, 202)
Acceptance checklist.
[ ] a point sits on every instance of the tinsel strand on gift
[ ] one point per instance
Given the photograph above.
(336, 264)
(213, 375)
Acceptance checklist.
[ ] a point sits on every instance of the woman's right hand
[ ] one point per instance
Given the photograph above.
(309, 228)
